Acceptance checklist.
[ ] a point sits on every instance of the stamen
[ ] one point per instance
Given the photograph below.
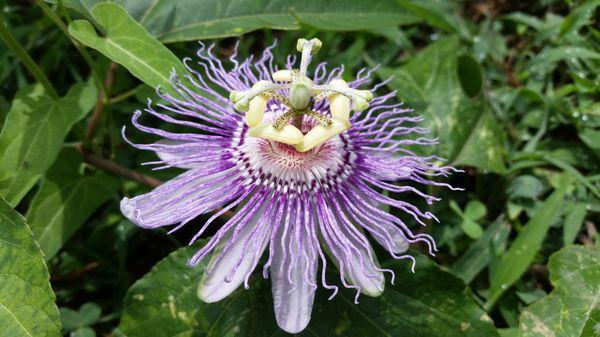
(302, 95)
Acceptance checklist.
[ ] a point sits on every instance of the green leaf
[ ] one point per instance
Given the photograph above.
(454, 206)
(510, 332)
(573, 220)
(531, 296)
(545, 60)
(579, 17)
(573, 307)
(526, 19)
(429, 303)
(558, 162)
(342, 15)
(69, 319)
(528, 242)
(480, 253)
(475, 210)
(185, 20)
(83, 332)
(468, 133)
(65, 200)
(484, 145)
(591, 138)
(88, 314)
(489, 42)
(471, 228)
(437, 13)
(129, 44)
(27, 305)
(33, 133)
(470, 75)
(525, 186)
(395, 35)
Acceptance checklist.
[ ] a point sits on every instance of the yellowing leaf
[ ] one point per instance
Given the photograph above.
(573, 307)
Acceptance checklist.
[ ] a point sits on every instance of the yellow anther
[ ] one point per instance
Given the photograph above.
(242, 105)
(254, 108)
(289, 134)
(282, 76)
(320, 134)
(235, 96)
(339, 105)
(359, 104)
(255, 113)
(260, 84)
(366, 94)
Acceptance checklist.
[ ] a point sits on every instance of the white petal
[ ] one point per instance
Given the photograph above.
(214, 287)
(370, 280)
(173, 202)
(293, 302)
(398, 244)
(169, 157)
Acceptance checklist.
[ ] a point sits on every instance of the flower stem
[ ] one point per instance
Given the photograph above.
(114, 168)
(102, 101)
(29, 63)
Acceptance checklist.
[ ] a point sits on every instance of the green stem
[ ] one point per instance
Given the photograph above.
(122, 97)
(86, 56)
(21, 53)
(64, 11)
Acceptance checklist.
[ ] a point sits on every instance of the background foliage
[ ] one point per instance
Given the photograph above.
(509, 88)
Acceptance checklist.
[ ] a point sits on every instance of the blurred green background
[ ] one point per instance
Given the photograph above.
(509, 88)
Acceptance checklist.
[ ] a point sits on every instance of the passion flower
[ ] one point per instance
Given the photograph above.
(305, 165)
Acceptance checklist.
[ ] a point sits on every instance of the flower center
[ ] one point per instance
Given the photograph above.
(282, 166)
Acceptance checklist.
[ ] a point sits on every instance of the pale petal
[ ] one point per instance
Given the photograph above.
(398, 243)
(191, 193)
(172, 157)
(214, 286)
(293, 301)
(363, 273)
